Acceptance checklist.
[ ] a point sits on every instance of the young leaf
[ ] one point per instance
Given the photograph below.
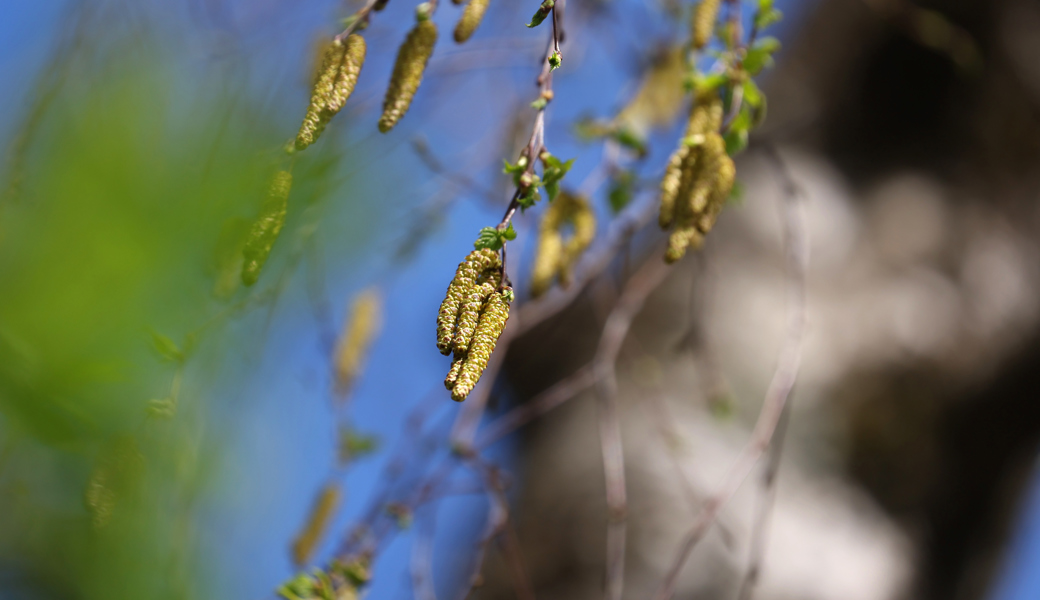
(166, 347)
(542, 13)
(736, 141)
(766, 15)
(489, 239)
(760, 56)
(630, 140)
(555, 60)
(553, 173)
(539, 104)
(622, 186)
(529, 198)
(494, 238)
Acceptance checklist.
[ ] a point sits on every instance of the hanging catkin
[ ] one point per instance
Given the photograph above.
(266, 228)
(339, 72)
(469, 312)
(408, 72)
(472, 15)
(476, 263)
(317, 523)
(358, 332)
(704, 16)
(490, 326)
(556, 257)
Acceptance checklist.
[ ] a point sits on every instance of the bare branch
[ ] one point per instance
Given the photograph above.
(766, 501)
(797, 251)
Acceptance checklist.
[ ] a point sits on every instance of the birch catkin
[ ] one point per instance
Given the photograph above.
(317, 523)
(266, 228)
(339, 72)
(358, 332)
(408, 72)
(489, 328)
(476, 263)
(472, 15)
(556, 257)
(347, 73)
(704, 16)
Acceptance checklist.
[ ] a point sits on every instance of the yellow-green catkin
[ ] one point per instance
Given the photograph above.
(472, 15)
(469, 312)
(704, 16)
(317, 524)
(347, 74)
(547, 260)
(555, 257)
(706, 116)
(266, 228)
(490, 326)
(475, 263)
(339, 72)
(453, 373)
(358, 332)
(704, 191)
(408, 72)
(670, 186)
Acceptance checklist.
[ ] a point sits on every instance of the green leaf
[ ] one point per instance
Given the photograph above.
(553, 172)
(760, 56)
(166, 347)
(630, 140)
(752, 94)
(488, 238)
(736, 141)
(529, 198)
(703, 84)
(539, 104)
(494, 238)
(736, 194)
(622, 186)
(555, 60)
(517, 170)
(765, 17)
(541, 13)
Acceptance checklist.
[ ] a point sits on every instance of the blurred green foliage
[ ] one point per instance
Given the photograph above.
(119, 262)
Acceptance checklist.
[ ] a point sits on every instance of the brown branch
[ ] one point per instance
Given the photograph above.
(509, 544)
(797, 251)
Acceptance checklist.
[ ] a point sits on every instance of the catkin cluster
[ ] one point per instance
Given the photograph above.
(358, 332)
(697, 181)
(266, 227)
(557, 257)
(341, 65)
(411, 61)
(471, 319)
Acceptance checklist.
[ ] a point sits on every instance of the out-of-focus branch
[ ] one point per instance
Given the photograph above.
(614, 332)
(766, 502)
(422, 556)
(797, 254)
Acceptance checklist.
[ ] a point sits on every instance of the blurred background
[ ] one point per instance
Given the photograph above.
(166, 432)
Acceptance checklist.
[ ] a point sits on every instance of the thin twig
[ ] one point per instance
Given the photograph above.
(797, 251)
(422, 556)
(766, 502)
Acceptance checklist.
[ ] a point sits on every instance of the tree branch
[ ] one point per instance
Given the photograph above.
(797, 252)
